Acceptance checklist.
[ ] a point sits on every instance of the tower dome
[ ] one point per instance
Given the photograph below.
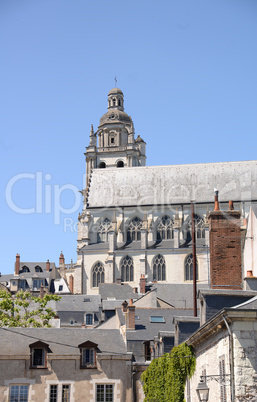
(116, 99)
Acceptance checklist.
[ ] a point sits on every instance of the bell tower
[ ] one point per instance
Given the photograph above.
(113, 144)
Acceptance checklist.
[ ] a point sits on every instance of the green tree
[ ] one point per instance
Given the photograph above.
(25, 310)
(165, 378)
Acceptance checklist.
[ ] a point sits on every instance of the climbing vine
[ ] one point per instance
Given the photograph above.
(165, 378)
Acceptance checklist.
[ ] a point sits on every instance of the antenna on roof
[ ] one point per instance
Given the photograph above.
(115, 79)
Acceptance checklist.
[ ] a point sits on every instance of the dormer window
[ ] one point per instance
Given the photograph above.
(89, 319)
(38, 354)
(88, 355)
(25, 269)
(38, 269)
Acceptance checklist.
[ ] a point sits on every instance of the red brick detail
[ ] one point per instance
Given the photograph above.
(17, 264)
(61, 259)
(225, 250)
(130, 317)
(71, 283)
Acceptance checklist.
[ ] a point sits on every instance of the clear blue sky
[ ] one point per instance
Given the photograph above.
(188, 72)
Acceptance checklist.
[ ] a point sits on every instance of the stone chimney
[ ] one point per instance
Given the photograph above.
(124, 306)
(47, 265)
(142, 284)
(130, 315)
(17, 264)
(61, 259)
(225, 248)
(71, 283)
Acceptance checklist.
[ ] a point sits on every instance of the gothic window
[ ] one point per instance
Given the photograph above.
(165, 228)
(199, 227)
(102, 231)
(134, 230)
(102, 165)
(127, 269)
(98, 274)
(159, 268)
(189, 268)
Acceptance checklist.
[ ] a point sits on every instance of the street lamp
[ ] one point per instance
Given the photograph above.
(202, 391)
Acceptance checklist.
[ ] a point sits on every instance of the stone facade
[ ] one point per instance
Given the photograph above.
(227, 358)
(136, 216)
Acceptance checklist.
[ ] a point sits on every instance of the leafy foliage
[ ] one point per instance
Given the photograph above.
(165, 378)
(25, 310)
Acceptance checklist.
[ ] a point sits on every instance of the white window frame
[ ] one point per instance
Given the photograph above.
(59, 390)
(107, 381)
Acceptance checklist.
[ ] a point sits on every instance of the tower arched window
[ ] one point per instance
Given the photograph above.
(120, 164)
(127, 269)
(134, 230)
(188, 265)
(199, 227)
(159, 268)
(102, 165)
(119, 104)
(102, 231)
(165, 228)
(97, 274)
(114, 102)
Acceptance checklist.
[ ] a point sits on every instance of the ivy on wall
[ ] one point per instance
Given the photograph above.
(165, 378)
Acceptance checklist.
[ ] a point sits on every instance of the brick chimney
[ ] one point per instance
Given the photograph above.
(48, 265)
(61, 259)
(17, 264)
(130, 315)
(41, 293)
(71, 284)
(142, 284)
(225, 248)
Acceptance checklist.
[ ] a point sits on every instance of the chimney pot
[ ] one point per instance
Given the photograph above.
(48, 265)
(216, 199)
(61, 259)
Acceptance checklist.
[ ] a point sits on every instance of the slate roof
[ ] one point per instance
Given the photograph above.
(146, 330)
(62, 341)
(178, 295)
(174, 184)
(247, 305)
(119, 292)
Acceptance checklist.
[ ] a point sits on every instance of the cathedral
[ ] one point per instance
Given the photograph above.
(136, 219)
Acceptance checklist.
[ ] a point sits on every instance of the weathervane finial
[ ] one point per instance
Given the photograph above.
(115, 79)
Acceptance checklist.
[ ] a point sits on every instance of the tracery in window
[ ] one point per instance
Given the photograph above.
(199, 227)
(165, 228)
(127, 269)
(188, 264)
(98, 274)
(102, 231)
(159, 268)
(134, 230)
